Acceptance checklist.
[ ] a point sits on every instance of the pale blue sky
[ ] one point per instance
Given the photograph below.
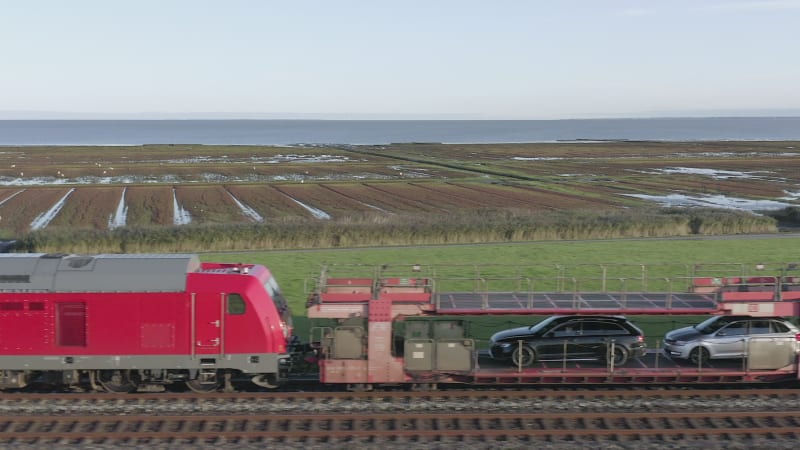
(400, 59)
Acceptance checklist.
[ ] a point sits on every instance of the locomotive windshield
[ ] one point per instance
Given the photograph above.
(280, 301)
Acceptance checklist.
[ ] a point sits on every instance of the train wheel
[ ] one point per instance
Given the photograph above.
(202, 387)
(359, 387)
(699, 356)
(266, 380)
(523, 356)
(619, 356)
(206, 381)
(116, 380)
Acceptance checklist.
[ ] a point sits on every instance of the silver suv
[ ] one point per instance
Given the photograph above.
(723, 337)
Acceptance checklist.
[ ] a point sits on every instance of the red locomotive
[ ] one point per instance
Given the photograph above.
(139, 322)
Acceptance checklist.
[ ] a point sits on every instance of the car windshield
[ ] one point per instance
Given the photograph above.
(711, 325)
(542, 325)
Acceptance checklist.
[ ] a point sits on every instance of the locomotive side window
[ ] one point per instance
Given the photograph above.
(71, 324)
(11, 306)
(236, 304)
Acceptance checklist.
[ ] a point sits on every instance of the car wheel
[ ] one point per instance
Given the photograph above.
(523, 356)
(699, 356)
(619, 356)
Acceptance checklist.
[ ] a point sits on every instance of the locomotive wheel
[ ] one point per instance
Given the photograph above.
(359, 387)
(116, 381)
(619, 357)
(523, 356)
(202, 387)
(267, 380)
(699, 356)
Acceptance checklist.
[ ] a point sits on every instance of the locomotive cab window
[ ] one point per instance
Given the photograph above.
(236, 304)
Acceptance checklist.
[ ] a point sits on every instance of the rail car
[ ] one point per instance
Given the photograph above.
(130, 322)
(407, 329)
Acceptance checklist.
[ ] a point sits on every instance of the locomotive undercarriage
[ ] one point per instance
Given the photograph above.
(143, 374)
(127, 380)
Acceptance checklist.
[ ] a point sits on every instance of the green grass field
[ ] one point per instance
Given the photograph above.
(295, 269)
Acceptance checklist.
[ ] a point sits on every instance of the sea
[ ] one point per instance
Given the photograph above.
(381, 132)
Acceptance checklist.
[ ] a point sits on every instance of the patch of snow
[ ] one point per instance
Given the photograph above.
(713, 201)
(375, 207)
(732, 154)
(537, 158)
(791, 196)
(120, 217)
(246, 210)
(44, 219)
(202, 177)
(12, 196)
(276, 159)
(713, 173)
(180, 216)
(411, 172)
(317, 213)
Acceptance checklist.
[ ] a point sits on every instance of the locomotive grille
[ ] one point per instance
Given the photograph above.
(15, 278)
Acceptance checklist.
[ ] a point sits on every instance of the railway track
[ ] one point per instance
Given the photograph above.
(626, 418)
(339, 429)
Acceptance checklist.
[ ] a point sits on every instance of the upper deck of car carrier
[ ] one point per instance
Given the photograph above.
(612, 289)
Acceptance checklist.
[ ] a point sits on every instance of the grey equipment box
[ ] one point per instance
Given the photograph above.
(455, 354)
(419, 354)
(348, 343)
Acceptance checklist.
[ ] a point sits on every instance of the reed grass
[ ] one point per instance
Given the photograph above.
(366, 230)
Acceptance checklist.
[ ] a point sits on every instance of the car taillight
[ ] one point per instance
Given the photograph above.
(641, 338)
(797, 337)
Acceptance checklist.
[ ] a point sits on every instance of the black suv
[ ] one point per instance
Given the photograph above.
(570, 337)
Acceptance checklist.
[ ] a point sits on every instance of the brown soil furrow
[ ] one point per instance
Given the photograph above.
(363, 205)
(88, 207)
(267, 201)
(498, 196)
(446, 194)
(399, 193)
(320, 197)
(562, 201)
(149, 205)
(18, 212)
(209, 204)
(373, 195)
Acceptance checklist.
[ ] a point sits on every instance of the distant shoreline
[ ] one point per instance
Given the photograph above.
(316, 132)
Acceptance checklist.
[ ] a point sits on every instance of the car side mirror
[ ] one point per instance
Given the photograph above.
(722, 333)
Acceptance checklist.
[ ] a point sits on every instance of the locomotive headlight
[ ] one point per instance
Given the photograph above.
(285, 330)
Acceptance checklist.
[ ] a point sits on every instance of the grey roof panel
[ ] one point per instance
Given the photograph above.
(96, 273)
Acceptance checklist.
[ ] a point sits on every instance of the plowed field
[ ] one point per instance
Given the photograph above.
(82, 187)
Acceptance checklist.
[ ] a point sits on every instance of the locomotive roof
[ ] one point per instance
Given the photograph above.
(45, 272)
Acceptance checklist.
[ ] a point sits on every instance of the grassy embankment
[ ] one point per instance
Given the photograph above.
(294, 269)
